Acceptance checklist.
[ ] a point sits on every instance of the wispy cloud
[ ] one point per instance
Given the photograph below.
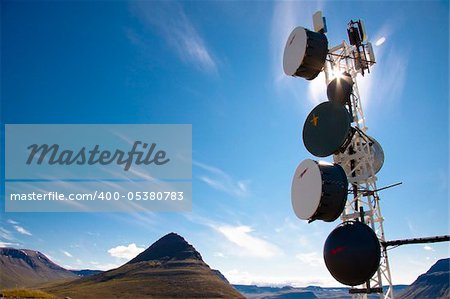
(22, 230)
(125, 252)
(8, 244)
(10, 221)
(236, 276)
(413, 230)
(238, 189)
(6, 234)
(219, 254)
(248, 244)
(382, 83)
(220, 180)
(428, 248)
(68, 254)
(380, 41)
(175, 26)
(312, 259)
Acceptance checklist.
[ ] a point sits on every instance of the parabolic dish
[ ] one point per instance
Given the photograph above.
(352, 253)
(361, 169)
(326, 129)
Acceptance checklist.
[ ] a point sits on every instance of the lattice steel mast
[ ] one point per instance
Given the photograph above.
(358, 157)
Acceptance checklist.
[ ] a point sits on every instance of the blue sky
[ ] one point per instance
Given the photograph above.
(217, 65)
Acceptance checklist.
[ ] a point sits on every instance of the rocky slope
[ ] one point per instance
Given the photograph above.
(27, 268)
(434, 284)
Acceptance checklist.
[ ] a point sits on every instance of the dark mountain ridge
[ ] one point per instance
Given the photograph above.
(434, 284)
(170, 247)
(26, 268)
(30, 257)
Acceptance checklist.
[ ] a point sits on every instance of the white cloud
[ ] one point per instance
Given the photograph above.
(173, 23)
(66, 253)
(219, 254)
(22, 230)
(312, 259)
(428, 248)
(220, 180)
(125, 252)
(8, 244)
(12, 221)
(380, 41)
(236, 276)
(248, 245)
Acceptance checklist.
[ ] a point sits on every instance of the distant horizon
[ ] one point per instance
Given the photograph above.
(251, 284)
(262, 284)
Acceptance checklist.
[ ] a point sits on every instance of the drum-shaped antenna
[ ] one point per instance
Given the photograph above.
(352, 253)
(327, 129)
(305, 53)
(319, 191)
(340, 89)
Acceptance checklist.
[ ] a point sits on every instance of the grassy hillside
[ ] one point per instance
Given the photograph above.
(169, 268)
(150, 279)
(25, 293)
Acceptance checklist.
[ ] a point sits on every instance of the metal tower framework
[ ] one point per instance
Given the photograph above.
(363, 202)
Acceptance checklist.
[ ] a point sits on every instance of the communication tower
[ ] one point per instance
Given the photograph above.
(320, 191)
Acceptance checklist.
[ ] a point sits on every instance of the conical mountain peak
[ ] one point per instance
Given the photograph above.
(169, 268)
(170, 247)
